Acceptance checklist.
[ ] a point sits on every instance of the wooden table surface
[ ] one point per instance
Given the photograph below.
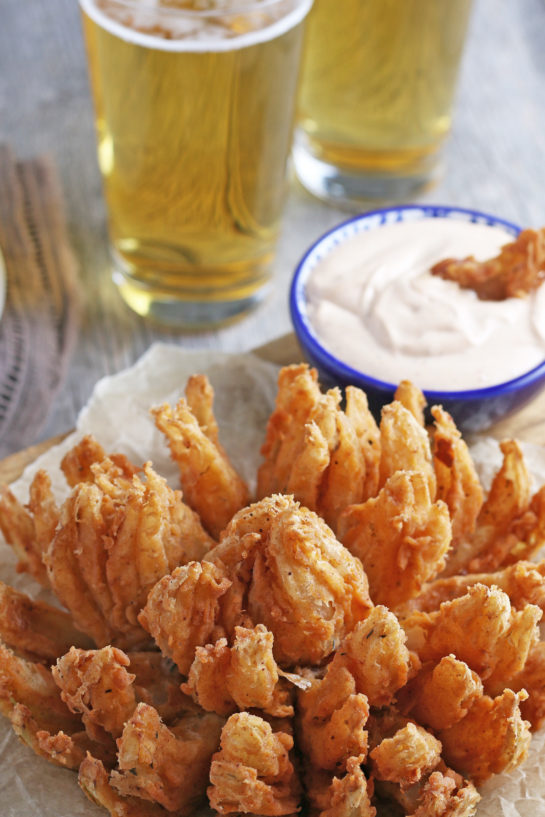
(494, 161)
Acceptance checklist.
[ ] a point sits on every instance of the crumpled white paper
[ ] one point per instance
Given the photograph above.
(118, 416)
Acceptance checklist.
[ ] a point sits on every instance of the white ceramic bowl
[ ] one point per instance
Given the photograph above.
(473, 409)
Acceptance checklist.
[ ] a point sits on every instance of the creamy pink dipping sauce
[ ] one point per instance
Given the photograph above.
(374, 304)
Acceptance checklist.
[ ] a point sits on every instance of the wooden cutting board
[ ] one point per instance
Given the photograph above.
(528, 424)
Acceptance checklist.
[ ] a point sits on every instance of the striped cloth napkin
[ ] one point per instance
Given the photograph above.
(39, 323)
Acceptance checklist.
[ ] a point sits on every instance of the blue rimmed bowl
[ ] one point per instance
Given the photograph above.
(473, 409)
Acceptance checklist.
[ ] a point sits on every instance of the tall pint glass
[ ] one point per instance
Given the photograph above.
(195, 105)
(378, 82)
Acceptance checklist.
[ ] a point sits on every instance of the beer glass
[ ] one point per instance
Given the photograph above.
(377, 89)
(195, 106)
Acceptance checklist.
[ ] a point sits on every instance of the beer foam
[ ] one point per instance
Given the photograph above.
(209, 26)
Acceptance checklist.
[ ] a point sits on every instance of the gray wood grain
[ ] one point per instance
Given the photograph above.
(494, 160)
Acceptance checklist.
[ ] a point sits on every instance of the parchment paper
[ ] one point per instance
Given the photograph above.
(118, 416)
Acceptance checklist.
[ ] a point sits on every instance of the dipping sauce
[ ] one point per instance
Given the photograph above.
(373, 303)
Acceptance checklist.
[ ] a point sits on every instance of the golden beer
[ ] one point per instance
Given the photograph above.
(377, 89)
(194, 115)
